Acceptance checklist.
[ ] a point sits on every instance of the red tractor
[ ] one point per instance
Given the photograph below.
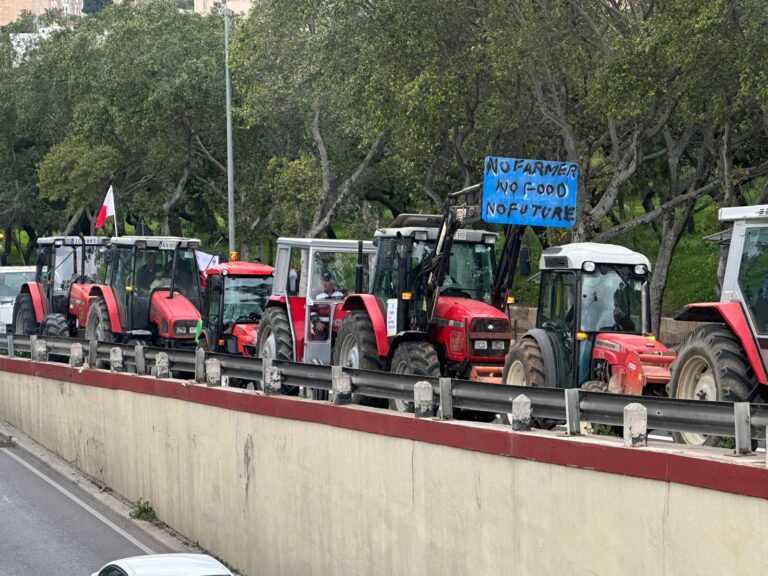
(593, 325)
(433, 307)
(236, 295)
(68, 267)
(726, 358)
(151, 292)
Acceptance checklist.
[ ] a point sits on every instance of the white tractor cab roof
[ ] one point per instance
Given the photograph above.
(759, 212)
(161, 242)
(574, 256)
(324, 244)
(72, 240)
(427, 226)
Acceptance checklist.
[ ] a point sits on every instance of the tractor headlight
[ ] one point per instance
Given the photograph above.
(588, 266)
(481, 345)
(641, 269)
(497, 345)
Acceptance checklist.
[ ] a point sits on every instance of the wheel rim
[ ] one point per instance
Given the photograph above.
(269, 348)
(697, 382)
(350, 353)
(402, 405)
(515, 377)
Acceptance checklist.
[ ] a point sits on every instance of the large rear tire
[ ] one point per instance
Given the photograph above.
(24, 315)
(55, 325)
(356, 348)
(711, 365)
(524, 366)
(98, 326)
(275, 340)
(415, 358)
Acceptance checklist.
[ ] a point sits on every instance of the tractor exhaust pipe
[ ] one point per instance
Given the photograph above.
(359, 268)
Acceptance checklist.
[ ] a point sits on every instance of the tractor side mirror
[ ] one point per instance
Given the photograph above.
(107, 257)
(525, 261)
(40, 256)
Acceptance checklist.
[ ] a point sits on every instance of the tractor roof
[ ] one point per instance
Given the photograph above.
(162, 242)
(330, 245)
(573, 256)
(759, 212)
(462, 235)
(241, 269)
(73, 240)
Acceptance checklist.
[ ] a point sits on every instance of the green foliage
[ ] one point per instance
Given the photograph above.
(142, 510)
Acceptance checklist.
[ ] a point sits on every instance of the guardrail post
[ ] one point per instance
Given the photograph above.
(212, 371)
(32, 340)
(11, 351)
(39, 350)
(138, 356)
(423, 405)
(116, 359)
(743, 427)
(446, 398)
(635, 425)
(341, 384)
(572, 412)
(200, 365)
(76, 355)
(272, 378)
(93, 353)
(521, 413)
(162, 365)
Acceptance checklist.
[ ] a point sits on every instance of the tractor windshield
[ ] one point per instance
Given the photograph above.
(611, 301)
(245, 298)
(471, 271)
(155, 267)
(753, 276)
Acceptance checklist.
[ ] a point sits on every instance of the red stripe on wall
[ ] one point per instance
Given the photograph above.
(736, 477)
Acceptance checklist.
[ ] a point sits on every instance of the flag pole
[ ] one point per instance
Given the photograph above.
(114, 216)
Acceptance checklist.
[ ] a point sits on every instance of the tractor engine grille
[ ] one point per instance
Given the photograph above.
(489, 337)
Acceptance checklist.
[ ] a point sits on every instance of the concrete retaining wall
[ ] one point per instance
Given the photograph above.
(286, 487)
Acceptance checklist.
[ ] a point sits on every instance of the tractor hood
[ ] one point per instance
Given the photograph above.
(462, 309)
(630, 343)
(175, 317)
(245, 334)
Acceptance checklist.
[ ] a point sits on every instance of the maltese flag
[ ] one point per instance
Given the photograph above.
(107, 209)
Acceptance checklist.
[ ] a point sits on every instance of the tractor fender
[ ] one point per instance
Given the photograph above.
(372, 306)
(732, 314)
(548, 353)
(108, 295)
(39, 300)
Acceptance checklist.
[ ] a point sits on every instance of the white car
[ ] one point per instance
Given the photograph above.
(165, 565)
(11, 280)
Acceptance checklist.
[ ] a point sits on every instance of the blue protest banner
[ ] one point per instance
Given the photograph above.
(530, 192)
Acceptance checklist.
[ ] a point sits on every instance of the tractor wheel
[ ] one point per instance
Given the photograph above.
(356, 348)
(711, 365)
(524, 366)
(55, 325)
(24, 315)
(415, 358)
(275, 340)
(99, 326)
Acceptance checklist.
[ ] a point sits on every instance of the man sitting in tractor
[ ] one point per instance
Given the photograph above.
(327, 288)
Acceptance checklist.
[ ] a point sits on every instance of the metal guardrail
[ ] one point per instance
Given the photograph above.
(741, 420)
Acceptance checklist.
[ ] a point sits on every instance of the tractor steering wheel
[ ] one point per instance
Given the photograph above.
(453, 291)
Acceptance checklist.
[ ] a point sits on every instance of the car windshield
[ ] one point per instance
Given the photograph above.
(245, 297)
(11, 282)
(611, 300)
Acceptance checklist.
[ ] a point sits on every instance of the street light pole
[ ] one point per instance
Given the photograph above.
(230, 162)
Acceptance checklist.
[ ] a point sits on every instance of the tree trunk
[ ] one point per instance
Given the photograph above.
(672, 227)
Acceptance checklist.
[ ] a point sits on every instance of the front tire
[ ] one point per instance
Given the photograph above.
(414, 358)
(356, 348)
(524, 366)
(55, 325)
(275, 340)
(24, 322)
(711, 365)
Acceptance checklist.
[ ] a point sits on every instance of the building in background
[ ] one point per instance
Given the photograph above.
(11, 9)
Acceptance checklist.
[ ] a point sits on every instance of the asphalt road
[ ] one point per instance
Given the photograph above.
(49, 525)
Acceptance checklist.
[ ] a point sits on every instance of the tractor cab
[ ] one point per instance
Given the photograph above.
(593, 323)
(66, 263)
(151, 291)
(235, 299)
(313, 276)
(66, 269)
